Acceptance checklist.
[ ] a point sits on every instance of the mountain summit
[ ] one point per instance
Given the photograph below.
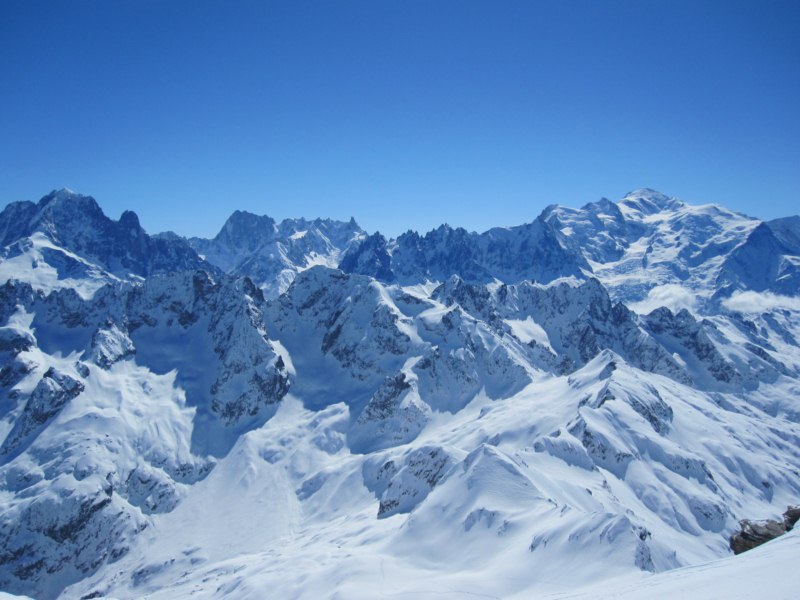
(272, 253)
(646, 201)
(65, 240)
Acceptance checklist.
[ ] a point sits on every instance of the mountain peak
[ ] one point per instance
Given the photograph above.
(648, 193)
(64, 192)
(61, 195)
(79, 233)
(245, 229)
(129, 220)
(65, 208)
(648, 201)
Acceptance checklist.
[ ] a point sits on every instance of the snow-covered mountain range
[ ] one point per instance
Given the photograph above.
(302, 409)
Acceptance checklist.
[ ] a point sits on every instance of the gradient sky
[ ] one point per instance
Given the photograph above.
(402, 114)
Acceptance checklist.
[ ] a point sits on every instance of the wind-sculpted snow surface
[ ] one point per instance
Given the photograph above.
(602, 393)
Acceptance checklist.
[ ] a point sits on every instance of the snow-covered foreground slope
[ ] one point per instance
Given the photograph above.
(550, 489)
(426, 421)
(766, 572)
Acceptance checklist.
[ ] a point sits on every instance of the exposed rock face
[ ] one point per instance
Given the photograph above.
(76, 224)
(755, 533)
(348, 320)
(61, 539)
(394, 415)
(576, 319)
(370, 257)
(111, 344)
(271, 254)
(173, 322)
(48, 398)
(684, 330)
(531, 251)
(401, 484)
(768, 260)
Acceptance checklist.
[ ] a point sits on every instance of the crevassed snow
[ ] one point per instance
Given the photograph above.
(654, 241)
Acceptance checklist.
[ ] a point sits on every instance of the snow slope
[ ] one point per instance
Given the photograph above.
(767, 570)
(452, 414)
(512, 497)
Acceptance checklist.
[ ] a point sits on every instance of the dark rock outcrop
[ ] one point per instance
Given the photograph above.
(755, 533)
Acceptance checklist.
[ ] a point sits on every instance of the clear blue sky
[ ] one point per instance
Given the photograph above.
(402, 114)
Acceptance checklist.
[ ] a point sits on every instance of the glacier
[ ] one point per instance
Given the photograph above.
(581, 406)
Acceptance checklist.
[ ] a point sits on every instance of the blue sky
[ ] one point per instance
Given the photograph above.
(402, 114)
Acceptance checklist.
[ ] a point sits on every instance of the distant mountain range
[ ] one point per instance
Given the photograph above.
(307, 409)
(641, 248)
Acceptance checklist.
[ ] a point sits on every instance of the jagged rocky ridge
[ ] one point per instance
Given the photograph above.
(512, 254)
(490, 395)
(65, 240)
(272, 253)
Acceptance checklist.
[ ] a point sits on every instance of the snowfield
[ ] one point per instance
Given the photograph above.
(580, 407)
(764, 571)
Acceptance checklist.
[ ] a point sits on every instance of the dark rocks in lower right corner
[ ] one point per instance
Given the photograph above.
(791, 516)
(755, 533)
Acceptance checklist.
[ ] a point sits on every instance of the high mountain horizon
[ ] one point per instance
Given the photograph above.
(619, 243)
(303, 405)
